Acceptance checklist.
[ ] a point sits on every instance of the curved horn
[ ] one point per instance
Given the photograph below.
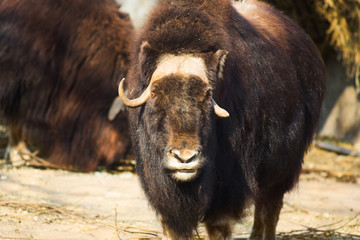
(218, 110)
(133, 102)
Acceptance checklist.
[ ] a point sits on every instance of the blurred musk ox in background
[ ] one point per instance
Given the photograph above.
(60, 62)
(223, 103)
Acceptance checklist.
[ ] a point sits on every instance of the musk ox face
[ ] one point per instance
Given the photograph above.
(183, 103)
(179, 101)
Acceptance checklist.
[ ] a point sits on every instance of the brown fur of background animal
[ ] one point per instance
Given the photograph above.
(60, 62)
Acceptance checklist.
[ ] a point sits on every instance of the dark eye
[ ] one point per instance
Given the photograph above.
(208, 94)
(153, 94)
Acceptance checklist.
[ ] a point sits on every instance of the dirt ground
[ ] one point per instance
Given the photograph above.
(56, 204)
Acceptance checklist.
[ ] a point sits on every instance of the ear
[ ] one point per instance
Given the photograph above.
(146, 60)
(144, 49)
(220, 57)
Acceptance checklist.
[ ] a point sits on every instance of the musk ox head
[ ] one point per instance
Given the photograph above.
(179, 97)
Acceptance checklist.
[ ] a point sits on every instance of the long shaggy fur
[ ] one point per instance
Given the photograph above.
(272, 85)
(60, 62)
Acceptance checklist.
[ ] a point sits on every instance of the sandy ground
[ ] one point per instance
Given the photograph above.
(57, 204)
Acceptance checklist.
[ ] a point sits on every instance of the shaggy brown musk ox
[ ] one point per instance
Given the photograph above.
(60, 62)
(199, 162)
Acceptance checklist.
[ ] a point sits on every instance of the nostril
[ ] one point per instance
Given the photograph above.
(176, 154)
(184, 155)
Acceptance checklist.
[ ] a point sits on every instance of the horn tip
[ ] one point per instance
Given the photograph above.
(219, 111)
(120, 88)
(222, 113)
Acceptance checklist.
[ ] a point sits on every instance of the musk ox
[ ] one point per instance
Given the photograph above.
(223, 102)
(59, 65)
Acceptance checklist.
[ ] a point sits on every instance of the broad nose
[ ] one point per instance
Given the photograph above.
(184, 155)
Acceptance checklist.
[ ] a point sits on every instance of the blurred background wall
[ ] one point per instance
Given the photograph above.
(334, 25)
(137, 9)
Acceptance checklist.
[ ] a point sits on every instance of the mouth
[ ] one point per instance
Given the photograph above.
(186, 170)
(184, 175)
(183, 172)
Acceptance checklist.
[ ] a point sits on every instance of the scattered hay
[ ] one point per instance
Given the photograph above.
(51, 213)
(315, 234)
(31, 159)
(344, 30)
(319, 234)
(332, 24)
(342, 168)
